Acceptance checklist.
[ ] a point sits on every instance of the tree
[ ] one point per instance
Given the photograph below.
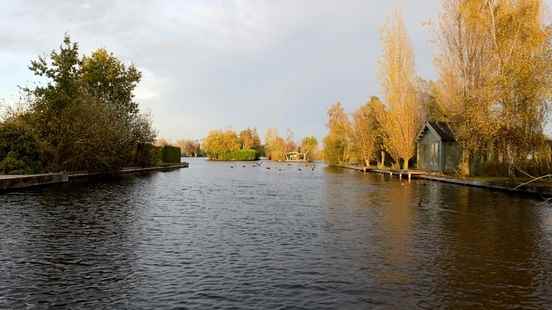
(219, 142)
(249, 139)
(160, 141)
(494, 67)
(309, 147)
(189, 147)
(19, 147)
(366, 130)
(85, 115)
(337, 144)
(291, 146)
(275, 146)
(523, 57)
(403, 118)
(111, 81)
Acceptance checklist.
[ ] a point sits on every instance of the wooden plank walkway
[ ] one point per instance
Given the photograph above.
(472, 182)
(398, 172)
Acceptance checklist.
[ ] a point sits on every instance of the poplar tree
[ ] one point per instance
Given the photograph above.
(402, 120)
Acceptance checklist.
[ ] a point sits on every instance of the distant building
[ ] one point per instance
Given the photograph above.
(437, 149)
(296, 156)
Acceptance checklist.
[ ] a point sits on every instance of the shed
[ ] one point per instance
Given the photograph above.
(437, 149)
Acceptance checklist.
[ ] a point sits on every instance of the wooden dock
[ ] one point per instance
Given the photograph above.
(472, 182)
(409, 174)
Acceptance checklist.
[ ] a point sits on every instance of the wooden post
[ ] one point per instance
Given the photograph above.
(409, 177)
(400, 176)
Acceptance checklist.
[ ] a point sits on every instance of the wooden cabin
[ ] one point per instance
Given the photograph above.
(437, 149)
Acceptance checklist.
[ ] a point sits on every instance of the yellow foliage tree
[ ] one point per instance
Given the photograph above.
(275, 146)
(494, 65)
(403, 118)
(218, 142)
(337, 143)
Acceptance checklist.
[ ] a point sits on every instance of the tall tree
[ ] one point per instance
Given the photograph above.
(366, 130)
(78, 114)
(494, 75)
(337, 143)
(403, 119)
(275, 146)
(523, 58)
(309, 147)
(249, 139)
(189, 147)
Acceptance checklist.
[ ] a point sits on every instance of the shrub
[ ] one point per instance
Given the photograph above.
(236, 155)
(147, 155)
(19, 149)
(170, 154)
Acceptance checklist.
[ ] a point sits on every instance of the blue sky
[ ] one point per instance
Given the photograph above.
(224, 64)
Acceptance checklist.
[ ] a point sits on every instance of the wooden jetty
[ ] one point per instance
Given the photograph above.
(409, 174)
(544, 191)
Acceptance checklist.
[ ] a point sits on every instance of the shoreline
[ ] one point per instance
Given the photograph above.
(17, 182)
(498, 185)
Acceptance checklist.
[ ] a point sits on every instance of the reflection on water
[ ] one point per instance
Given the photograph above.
(213, 236)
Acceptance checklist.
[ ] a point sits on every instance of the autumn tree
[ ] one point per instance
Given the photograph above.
(523, 58)
(403, 118)
(160, 141)
(275, 146)
(494, 76)
(219, 142)
(337, 143)
(189, 147)
(309, 147)
(250, 139)
(366, 130)
(291, 146)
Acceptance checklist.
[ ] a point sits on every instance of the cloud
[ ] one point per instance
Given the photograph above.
(223, 63)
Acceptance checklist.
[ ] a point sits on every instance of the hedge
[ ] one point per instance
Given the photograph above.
(147, 155)
(237, 155)
(170, 154)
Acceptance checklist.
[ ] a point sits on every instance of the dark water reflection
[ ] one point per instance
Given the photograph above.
(218, 237)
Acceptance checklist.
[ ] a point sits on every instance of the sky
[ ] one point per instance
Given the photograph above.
(224, 64)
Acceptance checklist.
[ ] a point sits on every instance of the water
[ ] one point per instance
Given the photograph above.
(216, 237)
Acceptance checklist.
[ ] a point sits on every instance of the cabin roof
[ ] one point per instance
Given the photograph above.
(441, 128)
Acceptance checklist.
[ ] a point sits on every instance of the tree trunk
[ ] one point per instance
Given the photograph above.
(405, 164)
(464, 166)
(382, 163)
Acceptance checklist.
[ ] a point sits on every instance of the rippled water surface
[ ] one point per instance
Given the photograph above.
(216, 237)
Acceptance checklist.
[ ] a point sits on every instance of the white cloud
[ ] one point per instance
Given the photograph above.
(220, 63)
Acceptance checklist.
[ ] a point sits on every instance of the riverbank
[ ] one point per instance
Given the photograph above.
(491, 183)
(14, 182)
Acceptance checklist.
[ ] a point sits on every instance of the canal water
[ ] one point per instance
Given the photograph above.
(237, 236)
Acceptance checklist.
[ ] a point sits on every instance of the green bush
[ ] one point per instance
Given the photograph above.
(11, 165)
(170, 154)
(237, 155)
(19, 149)
(147, 155)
